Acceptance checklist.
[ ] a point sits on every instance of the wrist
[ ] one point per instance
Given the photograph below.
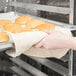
(72, 43)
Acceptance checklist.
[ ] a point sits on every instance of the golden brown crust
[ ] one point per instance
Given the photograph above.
(16, 28)
(25, 24)
(43, 27)
(34, 23)
(22, 19)
(4, 37)
(4, 22)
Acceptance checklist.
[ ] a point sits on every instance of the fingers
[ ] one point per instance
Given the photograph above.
(48, 31)
(51, 31)
(39, 44)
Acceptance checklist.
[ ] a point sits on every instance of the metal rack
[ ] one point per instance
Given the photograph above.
(45, 62)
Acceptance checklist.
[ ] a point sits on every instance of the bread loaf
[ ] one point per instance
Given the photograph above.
(22, 20)
(4, 37)
(16, 28)
(34, 23)
(43, 27)
(4, 22)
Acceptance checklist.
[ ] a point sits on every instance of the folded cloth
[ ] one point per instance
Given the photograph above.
(24, 41)
(57, 53)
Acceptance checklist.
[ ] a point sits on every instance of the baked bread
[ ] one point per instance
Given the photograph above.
(34, 23)
(15, 28)
(43, 27)
(22, 20)
(4, 37)
(4, 22)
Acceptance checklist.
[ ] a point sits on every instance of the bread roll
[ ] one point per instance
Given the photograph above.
(4, 22)
(22, 20)
(43, 27)
(4, 37)
(16, 28)
(34, 23)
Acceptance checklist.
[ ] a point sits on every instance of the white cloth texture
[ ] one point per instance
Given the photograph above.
(24, 42)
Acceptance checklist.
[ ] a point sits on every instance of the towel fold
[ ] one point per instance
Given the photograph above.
(24, 41)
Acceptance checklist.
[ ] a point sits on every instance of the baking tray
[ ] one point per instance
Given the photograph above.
(13, 15)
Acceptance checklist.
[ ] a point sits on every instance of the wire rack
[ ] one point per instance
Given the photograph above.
(31, 66)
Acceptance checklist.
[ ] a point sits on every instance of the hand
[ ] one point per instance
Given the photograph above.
(54, 40)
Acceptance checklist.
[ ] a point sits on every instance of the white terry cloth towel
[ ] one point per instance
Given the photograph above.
(57, 53)
(24, 42)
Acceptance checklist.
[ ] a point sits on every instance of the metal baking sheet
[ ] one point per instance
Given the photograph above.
(13, 15)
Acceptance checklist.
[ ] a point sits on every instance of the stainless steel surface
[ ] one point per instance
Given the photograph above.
(2, 4)
(46, 62)
(52, 65)
(71, 15)
(72, 20)
(62, 24)
(5, 46)
(62, 10)
(28, 67)
(71, 63)
(19, 71)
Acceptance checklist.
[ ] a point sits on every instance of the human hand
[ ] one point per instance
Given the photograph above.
(54, 40)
